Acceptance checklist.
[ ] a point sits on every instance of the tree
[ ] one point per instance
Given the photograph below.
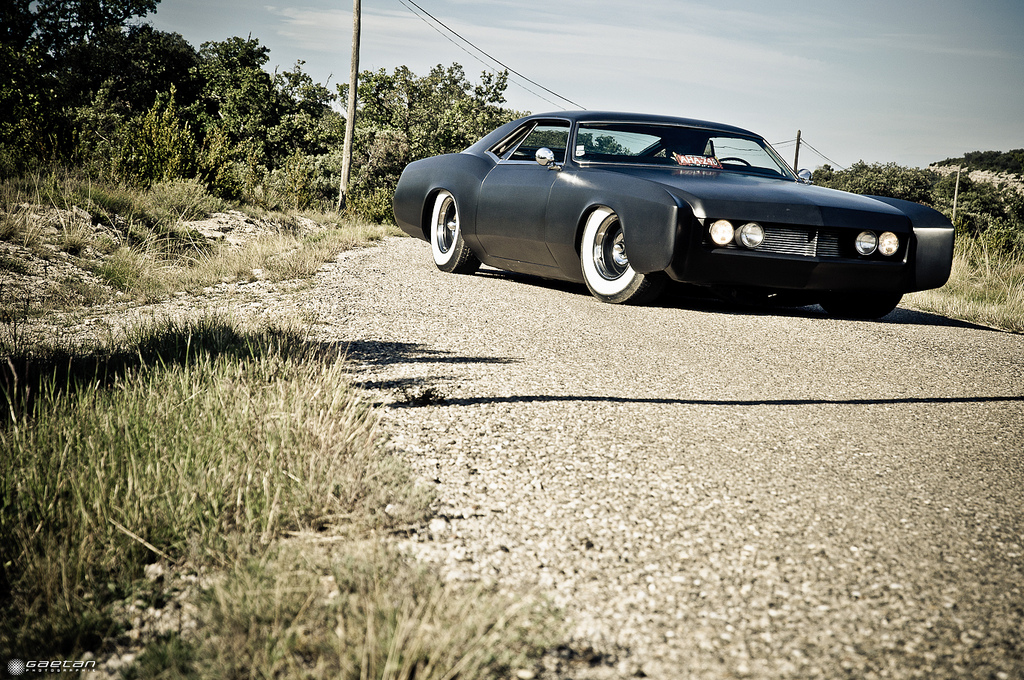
(17, 23)
(22, 109)
(238, 95)
(158, 146)
(439, 113)
(306, 122)
(63, 25)
(47, 50)
(403, 118)
(138, 64)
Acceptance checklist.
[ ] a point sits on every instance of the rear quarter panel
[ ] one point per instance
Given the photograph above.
(459, 173)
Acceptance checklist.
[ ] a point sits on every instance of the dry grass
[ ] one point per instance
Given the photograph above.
(209, 445)
(360, 610)
(140, 244)
(985, 287)
(185, 435)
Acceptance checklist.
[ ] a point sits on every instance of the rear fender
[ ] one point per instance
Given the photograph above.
(459, 173)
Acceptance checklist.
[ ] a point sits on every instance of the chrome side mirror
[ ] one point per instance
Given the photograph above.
(546, 157)
(805, 176)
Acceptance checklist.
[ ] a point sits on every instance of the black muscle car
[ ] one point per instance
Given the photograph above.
(625, 202)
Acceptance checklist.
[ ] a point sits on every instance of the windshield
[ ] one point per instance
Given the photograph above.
(676, 146)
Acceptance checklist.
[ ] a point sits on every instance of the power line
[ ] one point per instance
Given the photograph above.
(803, 142)
(473, 56)
(440, 23)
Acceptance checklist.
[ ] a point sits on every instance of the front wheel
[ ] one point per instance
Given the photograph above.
(606, 268)
(860, 305)
(451, 254)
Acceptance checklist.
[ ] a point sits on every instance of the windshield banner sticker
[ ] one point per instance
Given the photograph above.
(698, 161)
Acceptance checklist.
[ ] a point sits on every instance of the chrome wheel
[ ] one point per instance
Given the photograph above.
(610, 249)
(447, 228)
(605, 263)
(451, 254)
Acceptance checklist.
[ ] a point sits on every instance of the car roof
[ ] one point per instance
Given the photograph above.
(620, 116)
(603, 117)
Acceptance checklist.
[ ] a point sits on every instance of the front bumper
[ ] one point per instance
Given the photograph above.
(772, 271)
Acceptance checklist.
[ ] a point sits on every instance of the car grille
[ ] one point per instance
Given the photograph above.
(806, 242)
(800, 241)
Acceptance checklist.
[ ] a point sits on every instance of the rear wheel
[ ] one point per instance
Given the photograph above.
(606, 268)
(860, 305)
(451, 254)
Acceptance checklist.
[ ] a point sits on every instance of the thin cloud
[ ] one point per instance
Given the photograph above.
(874, 80)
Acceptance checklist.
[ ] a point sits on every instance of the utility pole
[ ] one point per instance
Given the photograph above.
(956, 193)
(350, 120)
(796, 157)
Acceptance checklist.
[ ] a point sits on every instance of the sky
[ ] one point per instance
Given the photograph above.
(904, 81)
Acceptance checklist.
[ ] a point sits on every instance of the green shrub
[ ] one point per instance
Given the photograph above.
(157, 146)
(880, 179)
(124, 268)
(181, 199)
(295, 183)
(377, 205)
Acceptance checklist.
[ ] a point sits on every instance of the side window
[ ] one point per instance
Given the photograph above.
(503, 148)
(553, 135)
(622, 144)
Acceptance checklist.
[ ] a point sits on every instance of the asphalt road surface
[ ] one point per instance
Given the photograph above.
(707, 491)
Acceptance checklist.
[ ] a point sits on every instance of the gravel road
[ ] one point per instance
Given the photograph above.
(707, 491)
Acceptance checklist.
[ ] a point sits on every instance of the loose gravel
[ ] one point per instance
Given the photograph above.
(706, 491)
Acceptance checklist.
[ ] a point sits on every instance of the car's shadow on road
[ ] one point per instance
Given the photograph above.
(380, 353)
(679, 296)
(417, 390)
(434, 390)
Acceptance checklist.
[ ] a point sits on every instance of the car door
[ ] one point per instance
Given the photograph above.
(513, 199)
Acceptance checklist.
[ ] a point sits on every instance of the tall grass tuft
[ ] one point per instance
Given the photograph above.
(163, 448)
(359, 610)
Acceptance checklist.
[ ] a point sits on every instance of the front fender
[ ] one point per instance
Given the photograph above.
(648, 213)
(932, 245)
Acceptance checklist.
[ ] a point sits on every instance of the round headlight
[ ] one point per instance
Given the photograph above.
(866, 242)
(721, 232)
(888, 243)
(750, 235)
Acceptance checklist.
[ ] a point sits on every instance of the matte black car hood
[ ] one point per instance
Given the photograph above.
(741, 196)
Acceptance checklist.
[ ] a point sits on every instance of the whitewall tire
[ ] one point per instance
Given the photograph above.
(606, 268)
(451, 254)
